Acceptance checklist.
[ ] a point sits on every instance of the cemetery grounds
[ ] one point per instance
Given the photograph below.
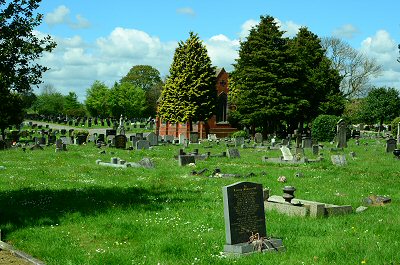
(62, 208)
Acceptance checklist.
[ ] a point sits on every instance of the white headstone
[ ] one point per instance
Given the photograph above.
(287, 155)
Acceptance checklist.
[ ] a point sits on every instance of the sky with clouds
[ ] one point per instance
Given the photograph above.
(102, 40)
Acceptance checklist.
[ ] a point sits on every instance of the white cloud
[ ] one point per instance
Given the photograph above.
(346, 31)
(186, 11)
(61, 15)
(222, 51)
(58, 16)
(246, 27)
(383, 48)
(289, 27)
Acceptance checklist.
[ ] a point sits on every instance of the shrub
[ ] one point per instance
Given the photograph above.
(395, 122)
(239, 134)
(324, 127)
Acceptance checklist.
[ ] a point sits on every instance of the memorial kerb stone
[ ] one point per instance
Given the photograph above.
(239, 141)
(243, 212)
(287, 155)
(258, 138)
(142, 144)
(120, 141)
(233, 153)
(391, 144)
(184, 160)
(194, 137)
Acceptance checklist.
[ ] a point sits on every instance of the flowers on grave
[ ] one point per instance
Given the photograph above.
(282, 179)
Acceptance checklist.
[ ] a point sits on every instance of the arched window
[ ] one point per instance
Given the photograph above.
(222, 107)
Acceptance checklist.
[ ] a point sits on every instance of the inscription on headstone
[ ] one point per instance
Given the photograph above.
(243, 211)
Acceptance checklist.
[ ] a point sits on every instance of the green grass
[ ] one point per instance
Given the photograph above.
(64, 209)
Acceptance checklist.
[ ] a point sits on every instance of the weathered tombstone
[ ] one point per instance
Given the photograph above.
(182, 138)
(391, 144)
(233, 152)
(139, 136)
(111, 132)
(142, 144)
(244, 215)
(152, 138)
(258, 138)
(168, 138)
(194, 137)
(120, 141)
(315, 149)
(186, 159)
(339, 160)
(341, 134)
(59, 145)
(287, 155)
(239, 141)
(306, 142)
(133, 140)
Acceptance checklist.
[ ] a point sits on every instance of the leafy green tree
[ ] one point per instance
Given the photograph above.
(381, 105)
(97, 100)
(127, 99)
(19, 50)
(189, 92)
(147, 78)
(72, 107)
(50, 102)
(324, 127)
(11, 109)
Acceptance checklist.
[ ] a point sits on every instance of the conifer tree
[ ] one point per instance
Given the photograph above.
(189, 92)
(260, 77)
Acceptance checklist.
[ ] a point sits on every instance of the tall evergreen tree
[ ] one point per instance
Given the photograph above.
(189, 92)
(260, 76)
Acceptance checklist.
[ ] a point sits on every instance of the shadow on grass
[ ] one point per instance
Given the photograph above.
(30, 207)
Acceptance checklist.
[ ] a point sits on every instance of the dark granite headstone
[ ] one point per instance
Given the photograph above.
(243, 211)
(186, 159)
(111, 132)
(391, 144)
(120, 141)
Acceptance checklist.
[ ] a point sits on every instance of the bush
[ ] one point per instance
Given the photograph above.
(394, 123)
(239, 134)
(324, 127)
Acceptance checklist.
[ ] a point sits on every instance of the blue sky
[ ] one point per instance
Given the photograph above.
(102, 40)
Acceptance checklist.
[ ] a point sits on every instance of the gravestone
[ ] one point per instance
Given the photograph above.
(244, 215)
(120, 141)
(258, 138)
(133, 140)
(341, 134)
(168, 138)
(315, 149)
(233, 152)
(139, 136)
(306, 142)
(100, 138)
(239, 141)
(59, 145)
(152, 138)
(52, 139)
(186, 159)
(194, 137)
(142, 144)
(111, 132)
(339, 160)
(211, 137)
(287, 155)
(182, 138)
(391, 144)
(64, 140)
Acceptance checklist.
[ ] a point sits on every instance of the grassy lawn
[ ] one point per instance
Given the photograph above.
(62, 208)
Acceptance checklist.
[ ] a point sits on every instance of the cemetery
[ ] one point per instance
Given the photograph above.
(139, 205)
(291, 157)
